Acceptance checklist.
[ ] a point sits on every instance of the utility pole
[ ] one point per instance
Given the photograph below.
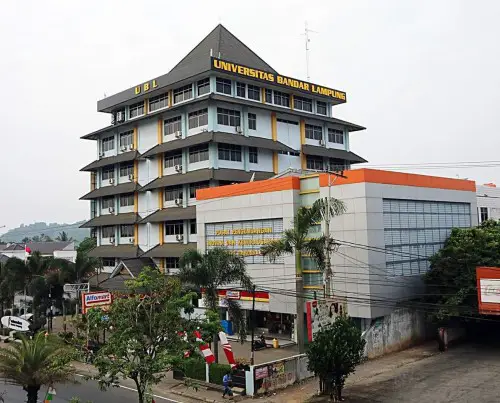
(253, 327)
(306, 33)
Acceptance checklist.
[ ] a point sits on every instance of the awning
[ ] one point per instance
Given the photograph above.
(124, 157)
(121, 251)
(128, 187)
(217, 137)
(171, 213)
(332, 153)
(200, 175)
(112, 219)
(169, 250)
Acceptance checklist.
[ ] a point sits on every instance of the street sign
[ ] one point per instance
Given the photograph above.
(16, 323)
(96, 299)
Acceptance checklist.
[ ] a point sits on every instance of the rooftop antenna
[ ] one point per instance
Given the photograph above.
(306, 34)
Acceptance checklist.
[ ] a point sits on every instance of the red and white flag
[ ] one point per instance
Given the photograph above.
(227, 349)
(205, 349)
(27, 249)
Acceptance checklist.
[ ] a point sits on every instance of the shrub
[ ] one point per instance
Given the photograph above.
(217, 372)
(194, 369)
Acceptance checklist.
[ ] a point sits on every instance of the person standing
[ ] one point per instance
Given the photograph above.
(227, 382)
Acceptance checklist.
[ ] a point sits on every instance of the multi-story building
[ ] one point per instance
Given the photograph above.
(222, 115)
(488, 202)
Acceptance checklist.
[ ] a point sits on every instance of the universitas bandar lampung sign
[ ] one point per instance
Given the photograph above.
(488, 290)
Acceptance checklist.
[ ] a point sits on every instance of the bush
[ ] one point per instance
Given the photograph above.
(194, 369)
(217, 372)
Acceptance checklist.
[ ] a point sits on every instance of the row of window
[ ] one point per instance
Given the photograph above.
(314, 132)
(126, 231)
(126, 169)
(226, 152)
(170, 262)
(318, 164)
(126, 200)
(126, 139)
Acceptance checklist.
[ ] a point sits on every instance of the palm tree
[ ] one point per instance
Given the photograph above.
(297, 241)
(214, 270)
(83, 267)
(35, 363)
(63, 237)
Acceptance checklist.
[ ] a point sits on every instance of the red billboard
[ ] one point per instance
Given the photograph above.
(488, 290)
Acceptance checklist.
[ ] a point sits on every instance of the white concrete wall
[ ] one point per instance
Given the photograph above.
(147, 134)
(288, 161)
(288, 134)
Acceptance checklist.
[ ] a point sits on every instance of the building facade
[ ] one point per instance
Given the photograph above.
(57, 249)
(222, 115)
(488, 202)
(394, 222)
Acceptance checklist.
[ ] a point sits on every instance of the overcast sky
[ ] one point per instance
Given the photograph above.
(422, 76)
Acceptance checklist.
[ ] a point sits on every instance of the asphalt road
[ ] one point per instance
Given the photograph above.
(86, 391)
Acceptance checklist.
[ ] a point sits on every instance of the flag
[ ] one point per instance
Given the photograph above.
(227, 349)
(205, 349)
(27, 249)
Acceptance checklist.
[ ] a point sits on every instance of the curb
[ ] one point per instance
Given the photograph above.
(200, 399)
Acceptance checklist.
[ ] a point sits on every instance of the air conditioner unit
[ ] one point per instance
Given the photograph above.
(130, 146)
(238, 129)
(131, 240)
(178, 202)
(111, 181)
(131, 177)
(178, 168)
(111, 209)
(322, 142)
(123, 148)
(178, 134)
(204, 130)
(179, 237)
(101, 155)
(112, 240)
(120, 117)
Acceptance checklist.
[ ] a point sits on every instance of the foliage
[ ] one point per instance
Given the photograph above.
(195, 368)
(24, 233)
(63, 237)
(334, 354)
(452, 277)
(214, 270)
(144, 343)
(217, 372)
(44, 360)
(87, 245)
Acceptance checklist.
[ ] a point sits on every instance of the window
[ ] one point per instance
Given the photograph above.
(136, 110)
(173, 192)
(314, 132)
(240, 90)
(253, 155)
(198, 153)
(192, 227)
(126, 139)
(483, 214)
(291, 154)
(280, 98)
(289, 122)
(158, 102)
(315, 163)
(127, 200)
(252, 121)
(107, 202)
(335, 165)
(172, 263)
(203, 87)
(108, 231)
(174, 228)
(173, 158)
(229, 152)
(321, 108)
(126, 231)
(223, 86)
(108, 262)
(269, 96)
(172, 125)
(193, 187)
(108, 173)
(198, 118)
(253, 92)
(304, 104)
(127, 169)
(228, 117)
(335, 136)
(183, 93)
(108, 144)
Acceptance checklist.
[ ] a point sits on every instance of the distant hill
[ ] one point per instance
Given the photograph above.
(51, 230)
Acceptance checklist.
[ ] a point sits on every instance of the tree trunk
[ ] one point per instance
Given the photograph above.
(32, 393)
(299, 290)
(216, 348)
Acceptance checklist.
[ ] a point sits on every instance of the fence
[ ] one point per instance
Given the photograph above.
(279, 374)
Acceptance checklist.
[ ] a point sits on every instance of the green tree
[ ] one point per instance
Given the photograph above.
(87, 245)
(452, 276)
(144, 343)
(334, 354)
(214, 270)
(297, 241)
(63, 237)
(42, 361)
(26, 240)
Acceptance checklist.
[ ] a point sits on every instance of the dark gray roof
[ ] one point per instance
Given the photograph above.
(220, 43)
(123, 157)
(112, 219)
(128, 187)
(135, 266)
(170, 250)
(45, 248)
(218, 137)
(200, 175)
(171, 213)
(121, 251)
(116, 282)
(332, 153)
(97, 279)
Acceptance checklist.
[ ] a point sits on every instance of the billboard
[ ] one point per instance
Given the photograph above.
(488, 290)
(320, 313)
(96, 300)
(245, 238)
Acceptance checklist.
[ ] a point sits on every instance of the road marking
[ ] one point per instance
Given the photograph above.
(135, 390)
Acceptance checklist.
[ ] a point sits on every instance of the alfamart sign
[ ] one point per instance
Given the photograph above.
(96, 299)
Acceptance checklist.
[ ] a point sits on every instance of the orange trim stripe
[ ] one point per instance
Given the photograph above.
(240, 189)
(400, 179)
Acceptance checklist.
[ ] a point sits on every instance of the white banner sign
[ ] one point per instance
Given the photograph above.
(15, 323)
(490, 290)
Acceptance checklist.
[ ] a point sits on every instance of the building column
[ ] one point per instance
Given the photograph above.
(212, 116)
(303, 161)
(274, 135)
(346, 140)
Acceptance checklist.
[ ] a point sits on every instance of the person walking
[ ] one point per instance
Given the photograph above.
(227, 382)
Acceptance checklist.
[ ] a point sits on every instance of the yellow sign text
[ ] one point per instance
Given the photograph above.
(150, 85)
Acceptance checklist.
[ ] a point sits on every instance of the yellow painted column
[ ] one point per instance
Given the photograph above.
(160, 198)
(302, 142)
(160, 165)
(291, 102)
(136, 202)
(263, 95)
(135, 138)
(93, 180)
(136, 171)
(170, 98)
(159, 131)
(161, 229)
(136, 234)
(146, 107)
(274, 135)
(162, 265)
